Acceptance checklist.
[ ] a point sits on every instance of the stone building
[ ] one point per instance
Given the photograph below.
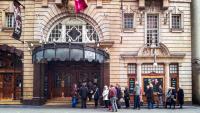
(110, 42)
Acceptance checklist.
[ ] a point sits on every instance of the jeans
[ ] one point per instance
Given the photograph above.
(150, 104)
(96, 102)
(114, 104)
(106, 102)
(83, 103)
(137, 102)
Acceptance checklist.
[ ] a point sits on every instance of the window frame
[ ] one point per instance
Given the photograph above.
(134, 22)
(158, 29)
(4, 21)
(181, 29)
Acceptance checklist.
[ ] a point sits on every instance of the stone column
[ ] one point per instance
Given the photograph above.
(38, 84)
(139, 74)
(167, 77)
(196, 51)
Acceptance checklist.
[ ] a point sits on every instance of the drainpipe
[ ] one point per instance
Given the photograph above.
(195, 9)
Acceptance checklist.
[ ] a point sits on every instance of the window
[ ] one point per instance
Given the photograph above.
(176, 21)
(173, 68)
(128, 20)
(149, 68)
(72, 30)
(131, 69)
(152, 32)
(9, 20)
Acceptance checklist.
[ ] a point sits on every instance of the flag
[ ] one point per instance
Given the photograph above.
(17, 20)
(80, 5)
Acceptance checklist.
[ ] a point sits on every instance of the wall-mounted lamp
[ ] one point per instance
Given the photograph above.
(140, 17)
(165, 17)
(154, 59)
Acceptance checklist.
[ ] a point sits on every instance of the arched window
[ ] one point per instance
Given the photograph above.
(72, 30)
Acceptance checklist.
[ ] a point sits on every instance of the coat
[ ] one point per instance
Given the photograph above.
(105, 94)
(83, 92)
(149, 94)
(96, 94)
(126, 95)
(180, 94)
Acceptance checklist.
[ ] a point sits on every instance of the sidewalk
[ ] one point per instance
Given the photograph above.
(63, 109)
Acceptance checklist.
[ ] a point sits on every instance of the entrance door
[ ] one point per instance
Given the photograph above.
(62, 77)
(156, 81)
(6, 86)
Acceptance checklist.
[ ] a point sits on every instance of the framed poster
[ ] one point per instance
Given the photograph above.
(131, 85)
(156, 82)
(174, 83)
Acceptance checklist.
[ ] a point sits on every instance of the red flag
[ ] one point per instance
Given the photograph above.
(80, 5)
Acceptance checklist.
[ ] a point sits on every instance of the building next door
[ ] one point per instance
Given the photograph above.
(62, 76)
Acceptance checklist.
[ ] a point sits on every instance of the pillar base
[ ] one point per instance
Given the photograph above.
(196, 84)
(34, 101)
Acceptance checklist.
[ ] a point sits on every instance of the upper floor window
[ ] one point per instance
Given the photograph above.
(176, 21)
(152, 30)
(9, 20)
(128, 20)
(73, 30)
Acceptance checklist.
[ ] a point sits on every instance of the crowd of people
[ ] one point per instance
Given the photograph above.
(113, 97)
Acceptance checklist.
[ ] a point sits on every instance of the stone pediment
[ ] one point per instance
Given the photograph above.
(162, 50)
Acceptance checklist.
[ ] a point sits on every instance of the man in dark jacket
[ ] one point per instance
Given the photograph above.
(126, 97)
(180, 97)
(83, 94)
(173, 97)
(96, 95)
(149, 95)
(119, 95)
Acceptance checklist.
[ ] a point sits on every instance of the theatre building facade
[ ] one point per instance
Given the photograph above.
(110, 42)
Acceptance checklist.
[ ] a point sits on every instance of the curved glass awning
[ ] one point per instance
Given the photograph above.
(68, 52)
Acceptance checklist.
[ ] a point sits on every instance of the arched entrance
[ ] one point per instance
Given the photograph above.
(58, 66)
(10, 73)
(70, 54)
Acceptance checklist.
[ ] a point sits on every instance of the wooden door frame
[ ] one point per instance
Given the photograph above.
(153, 75)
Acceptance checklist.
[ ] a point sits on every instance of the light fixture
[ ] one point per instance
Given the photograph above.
(154, 59)
(141, 16)
(165, 18)
(31, 44)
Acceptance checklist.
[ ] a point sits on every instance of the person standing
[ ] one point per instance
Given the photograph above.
(74, 95)
(96, 95)
(160, 96)
(168, 97)
(83, 94)
(126, 97)
(137, 96)
(180, 97)
(119, 95)
(113, 98)
(105, 96)
(173, 97)
(149, 96)
(90, 90)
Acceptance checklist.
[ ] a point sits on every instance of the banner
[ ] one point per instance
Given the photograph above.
(80, 5)
(17, 20)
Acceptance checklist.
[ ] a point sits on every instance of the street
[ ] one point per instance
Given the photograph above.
(63, 109)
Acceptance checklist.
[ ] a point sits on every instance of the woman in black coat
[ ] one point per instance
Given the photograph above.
(126, 97)
(180, 97)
